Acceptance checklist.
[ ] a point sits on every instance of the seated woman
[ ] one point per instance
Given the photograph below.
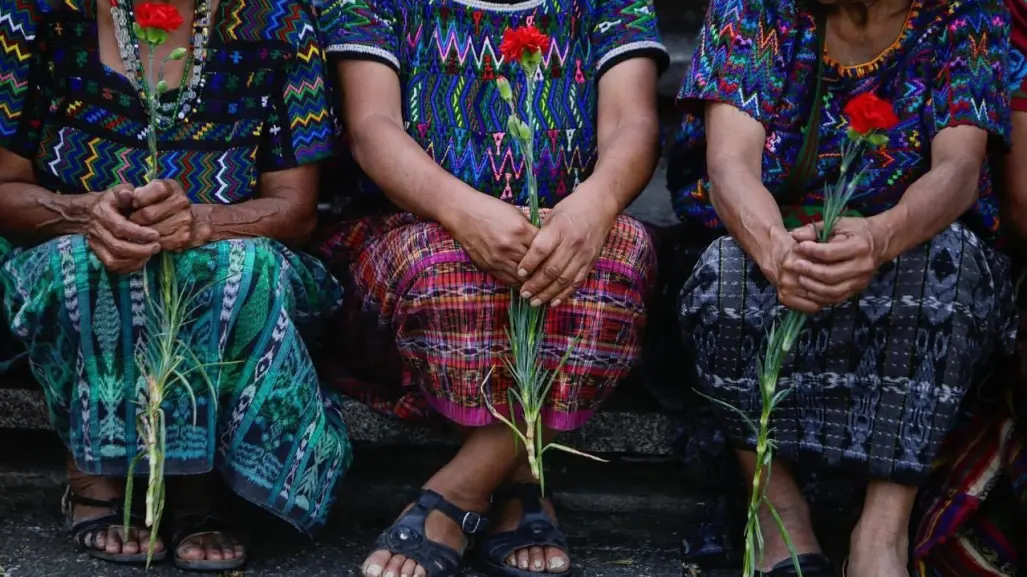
(430, 266)
(909, 299)
(976, 507)
(83, 231)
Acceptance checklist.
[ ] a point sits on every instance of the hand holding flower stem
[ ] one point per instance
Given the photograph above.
(867, 115)
(525, 46)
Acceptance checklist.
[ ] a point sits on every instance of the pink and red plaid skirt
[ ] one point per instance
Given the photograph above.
(422, 327)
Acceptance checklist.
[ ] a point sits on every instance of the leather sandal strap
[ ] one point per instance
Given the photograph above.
(470, 523)
(407, 536)
(196, 526)
(534, 529)
(83, 531)
(71, 499)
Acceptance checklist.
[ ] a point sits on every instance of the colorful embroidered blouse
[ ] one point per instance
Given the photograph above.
(947, 68)
(262, 108)
(446, 53)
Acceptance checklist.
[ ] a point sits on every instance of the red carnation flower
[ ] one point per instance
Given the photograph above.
(163, 17)
(868, 113)
(522, 41)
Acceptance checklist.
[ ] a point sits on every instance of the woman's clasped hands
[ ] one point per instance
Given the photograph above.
(127, 226)
(810, 275)
(547, 264)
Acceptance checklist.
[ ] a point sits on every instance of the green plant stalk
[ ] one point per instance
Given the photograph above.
(162, 354)
(779, 344)
(527, 323)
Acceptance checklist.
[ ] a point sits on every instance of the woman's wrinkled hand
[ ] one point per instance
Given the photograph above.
(121, 245)
(495, 235)
(565, 249)
(841, 268)
(163, 206)
(780, 266)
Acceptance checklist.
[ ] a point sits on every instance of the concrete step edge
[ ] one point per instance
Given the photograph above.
(608, 432)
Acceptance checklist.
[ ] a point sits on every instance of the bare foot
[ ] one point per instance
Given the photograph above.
(438, 528)
(534, 559)
(194, 518)
(110, 540)
(210, 547)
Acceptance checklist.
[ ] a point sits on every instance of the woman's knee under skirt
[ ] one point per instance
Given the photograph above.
(423, 327)
(277, 439)
(877, 381)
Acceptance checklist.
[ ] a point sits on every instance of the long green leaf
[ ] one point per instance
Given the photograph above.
(487, 397)
(126, 517)
(786, 537)
(746, 418)
(573, 451)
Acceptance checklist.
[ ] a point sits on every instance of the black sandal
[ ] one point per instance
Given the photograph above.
(407, 536)
(535, 529)
(198, 526)
(83, 532)
(812, 565)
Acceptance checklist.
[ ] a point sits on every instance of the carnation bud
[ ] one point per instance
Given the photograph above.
(525, 131)
(162, 87)
(513, 127)
(504, 88)
(177, 53)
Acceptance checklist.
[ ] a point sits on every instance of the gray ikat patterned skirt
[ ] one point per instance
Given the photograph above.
(878, 380)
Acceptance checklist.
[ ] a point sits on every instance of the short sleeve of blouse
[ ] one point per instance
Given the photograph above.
(361, 29)
(21, 105)
(736, 60)
(626, 29)
(970, 87)
(299, 129)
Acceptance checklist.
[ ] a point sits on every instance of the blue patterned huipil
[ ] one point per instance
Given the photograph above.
(421, 313)
(260, 107)
(878, 379)
(946, 68)
(447, 56)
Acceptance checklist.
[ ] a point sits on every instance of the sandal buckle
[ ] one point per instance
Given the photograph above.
(473, 523)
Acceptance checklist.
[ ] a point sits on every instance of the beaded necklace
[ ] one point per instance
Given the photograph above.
(192, 82)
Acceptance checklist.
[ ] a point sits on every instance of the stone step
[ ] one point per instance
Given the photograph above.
(614, 431)
(387, 476)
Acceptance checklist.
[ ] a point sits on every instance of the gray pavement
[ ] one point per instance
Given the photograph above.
(623, 518)
(34, 545)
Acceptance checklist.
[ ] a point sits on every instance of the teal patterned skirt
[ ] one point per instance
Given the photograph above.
(277, 437)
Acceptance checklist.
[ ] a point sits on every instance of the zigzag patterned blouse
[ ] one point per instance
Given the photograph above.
(446, 53)
(947, 68)
(263, 106)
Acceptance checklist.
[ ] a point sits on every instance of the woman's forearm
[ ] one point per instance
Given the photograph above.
(275, 218)
(930, 205)
(747, 209)
(404, 171)
(627, 159)
(31, 212)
